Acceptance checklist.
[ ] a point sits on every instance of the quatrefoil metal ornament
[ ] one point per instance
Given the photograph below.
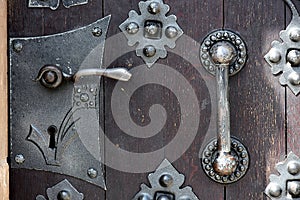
(284, 57)
(152, 30)
(166, 184)
(287, 184)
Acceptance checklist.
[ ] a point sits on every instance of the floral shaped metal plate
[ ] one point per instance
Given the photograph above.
(153, 30)
(284, 57)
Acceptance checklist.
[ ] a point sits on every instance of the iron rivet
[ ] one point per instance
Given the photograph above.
(224, 179)
(154, 8)
(166, 180)
(207, 167)
(213, 38)
(240, 61)
(293, 167)
(84, 97)
(243, 54)
(237, 66)
(238, 174)
(97, 32)
(218, 177)
(242, 47)
(243, 155)
(232, 37)
(238, 42)
(210, 147)
(295, 35)
(211, 173)
(132, 28)
(231, 71)
(274, 56)
(18, 46)
(171, 32)
(206, 62)
(204, 56)
(64, 195)
(294, 188)
(226, 35)
(206, 161)
(219, 35)
(149, 51)
(244, 162)
(231, 178)
(274, 190)
(207, 43)
(294, 78)
(294, 57)
(215, 143)
(144, 197)
(19, 158)
(152, 29)
(222, 53)
(163, 197)
(78, 90)
(92, 173)
(211, 68)
(240, 148)
(242, 168)
(207, 153)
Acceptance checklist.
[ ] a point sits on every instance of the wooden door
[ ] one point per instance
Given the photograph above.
(263, 113)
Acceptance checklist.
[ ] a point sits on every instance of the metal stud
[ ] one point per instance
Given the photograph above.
(18, 46)
(92, 173)
(274, 190)
(171, 32)
(293, 167)
(154, 8)
(293, 57)
(295, 35)
(132, 28)
(149, 51)
(166, 180)
(19, 158)
(97, 32)
(64, 195)
(294, 188)
(294, 78)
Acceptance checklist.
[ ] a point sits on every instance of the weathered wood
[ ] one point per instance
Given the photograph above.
(257, 100)
(4, 174)
(197, 19)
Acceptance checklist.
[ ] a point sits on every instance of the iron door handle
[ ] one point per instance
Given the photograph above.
(52, 76)
(223, 53)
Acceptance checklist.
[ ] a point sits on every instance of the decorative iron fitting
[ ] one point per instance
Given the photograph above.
(286, 185)
(284, 56)
(152, 30)
(166, 184)
(53, 4)
(62, 191)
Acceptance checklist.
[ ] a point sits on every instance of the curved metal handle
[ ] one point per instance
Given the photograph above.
(51, 76)
(225, 160)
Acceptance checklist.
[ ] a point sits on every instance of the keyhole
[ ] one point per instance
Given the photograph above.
(52, 131)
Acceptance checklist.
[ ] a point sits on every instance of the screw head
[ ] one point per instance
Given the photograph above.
(274, 56)
(132, 28)
(63, 195)
(166, 180)
(293, 167)
(223, 53)
(92, 173)
(19, 158)
(154, 8)
(149, 51)
(274, 189)
(295, 35)
(97, 32)
(293, 57)
(294, 188)
(171, 32)
(18, 46)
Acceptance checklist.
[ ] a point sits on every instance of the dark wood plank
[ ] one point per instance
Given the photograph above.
(24, 21)
(197, 19)
(257, 99)
(293, 109)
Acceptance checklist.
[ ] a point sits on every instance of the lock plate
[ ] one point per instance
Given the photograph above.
(48, 126)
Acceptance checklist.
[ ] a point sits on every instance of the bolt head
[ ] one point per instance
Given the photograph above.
(92, 173)
(223, 53)
(295, 35)
(294, 78)
(64, 195)
(171, 32)
(166, 180)
(132, 28)
(274, 56)
(274, 190)
(19, 158)
(293, 167)
(97, 32)
(154, 8)
(149, 51)
(293, 57)
(294, 188)
(225, 164)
